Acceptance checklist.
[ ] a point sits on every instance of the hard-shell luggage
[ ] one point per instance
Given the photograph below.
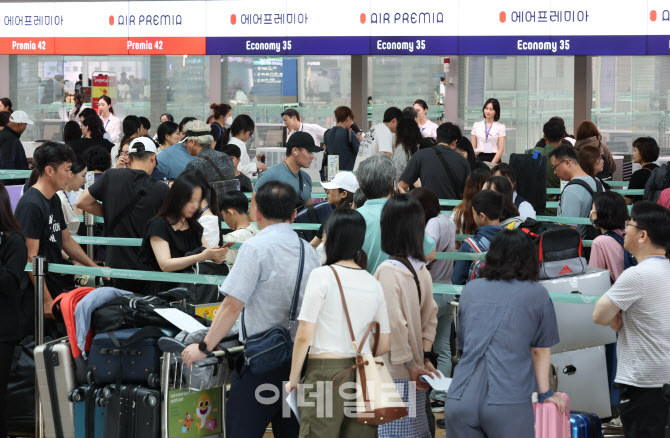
(55, 379)
(89, 415)
(585, 425)
(128, 356)
(548, 422)
(135, 410)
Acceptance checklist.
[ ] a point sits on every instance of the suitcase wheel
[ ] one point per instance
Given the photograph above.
(154, 380)
(89, 378)
(150, 400)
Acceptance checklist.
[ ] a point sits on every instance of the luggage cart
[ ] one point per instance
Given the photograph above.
(204, 386)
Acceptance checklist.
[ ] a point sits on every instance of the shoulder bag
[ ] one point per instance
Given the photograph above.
(266, 351)
(377, 398)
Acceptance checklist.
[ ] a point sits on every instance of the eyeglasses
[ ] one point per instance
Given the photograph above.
(634, 226)
(558, 165)
(124, 153)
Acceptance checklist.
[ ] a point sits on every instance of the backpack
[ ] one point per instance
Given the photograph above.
(530, 171)
(129, 311)
(559, 248)
(313, 214)
(479, 245)
(591, 232)
(628, 258)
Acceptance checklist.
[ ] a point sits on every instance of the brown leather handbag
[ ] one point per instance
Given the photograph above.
(377, 398)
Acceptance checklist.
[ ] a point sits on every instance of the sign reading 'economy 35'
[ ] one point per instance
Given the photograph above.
(344, 27)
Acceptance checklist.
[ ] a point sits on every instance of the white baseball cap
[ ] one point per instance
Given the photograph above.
(142, 144)
(343, 180)
(20, 117)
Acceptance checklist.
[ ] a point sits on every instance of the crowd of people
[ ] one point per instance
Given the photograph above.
(376, 250)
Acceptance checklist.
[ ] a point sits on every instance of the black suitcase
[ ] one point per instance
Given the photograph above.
(127, 356)
(132, 412)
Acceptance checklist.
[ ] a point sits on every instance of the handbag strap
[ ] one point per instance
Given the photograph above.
(372, 325)
(409, 266)
(296, 291)
(215, 167)
(449, 172)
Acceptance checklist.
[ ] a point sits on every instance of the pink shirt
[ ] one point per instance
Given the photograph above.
(607, 253)
(664, 199)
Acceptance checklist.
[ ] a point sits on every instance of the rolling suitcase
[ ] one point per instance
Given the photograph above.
(136, 412)
(56, 380)
(548, 422)
(585, 425)
(89, 415)
(129, 356)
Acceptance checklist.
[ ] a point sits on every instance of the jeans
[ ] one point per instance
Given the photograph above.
(442, 345)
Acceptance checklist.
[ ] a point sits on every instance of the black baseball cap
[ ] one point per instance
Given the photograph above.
(301, 140)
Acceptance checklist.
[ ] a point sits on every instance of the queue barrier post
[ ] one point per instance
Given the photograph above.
(39, 272)
(89, 220)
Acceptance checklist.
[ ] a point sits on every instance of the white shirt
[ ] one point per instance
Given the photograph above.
(322, 305)
(643, 347)
(378, 139)
(488, 144)
(245, 165)
(429, 129)
(238, 236)
(71, 219)
(113, 127)
(526, 209)
(210, 229)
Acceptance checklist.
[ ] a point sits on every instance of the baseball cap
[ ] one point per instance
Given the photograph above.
(20, 117)
(142, 144)
(343, 180)
(301, 140)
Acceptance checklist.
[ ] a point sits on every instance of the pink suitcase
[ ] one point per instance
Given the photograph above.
(548, 422)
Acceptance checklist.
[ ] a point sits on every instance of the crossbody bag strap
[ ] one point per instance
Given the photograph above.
(450, 173)
(346, 309)
(215, 167)
(294, 301)
(133, 202)
(409, 266)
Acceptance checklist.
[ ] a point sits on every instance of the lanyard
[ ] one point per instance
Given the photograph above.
(487, 131)
(108, 120)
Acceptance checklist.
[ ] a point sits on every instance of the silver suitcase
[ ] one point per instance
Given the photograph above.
(582, 374)
(56, 379)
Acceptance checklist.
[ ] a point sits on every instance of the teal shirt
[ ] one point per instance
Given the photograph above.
(372, 213)
(280, 172)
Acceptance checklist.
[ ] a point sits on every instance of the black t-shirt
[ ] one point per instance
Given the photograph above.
(42, 219)
(15, 289)
(180, 242)
(639, 179)
(426, 165)
(80, 145)
(116, 189)
(245, 183)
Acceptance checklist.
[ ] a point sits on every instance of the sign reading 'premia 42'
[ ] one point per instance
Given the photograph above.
(344, 27)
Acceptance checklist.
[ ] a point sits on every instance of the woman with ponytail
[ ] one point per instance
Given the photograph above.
(131, 129)
(78, 108)
(222, 114)
(238, 134)
(323, 328)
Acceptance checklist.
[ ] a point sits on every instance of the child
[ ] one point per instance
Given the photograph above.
(487, 207)
(234, 207)
(234, 153)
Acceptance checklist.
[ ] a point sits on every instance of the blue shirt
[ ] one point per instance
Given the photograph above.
(173, 160)
(499, 322)
(281, 172)
(372, 213)
(264, 275)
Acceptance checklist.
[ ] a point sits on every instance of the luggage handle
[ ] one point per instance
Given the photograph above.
(569, 370)
(120, 352)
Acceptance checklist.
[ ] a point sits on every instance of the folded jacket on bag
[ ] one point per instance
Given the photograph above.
(85, 308)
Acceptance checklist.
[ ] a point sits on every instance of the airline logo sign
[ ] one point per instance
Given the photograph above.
(105, 28)
(551, 27)
(658, 27)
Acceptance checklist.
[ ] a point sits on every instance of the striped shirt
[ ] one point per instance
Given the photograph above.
(643, 348)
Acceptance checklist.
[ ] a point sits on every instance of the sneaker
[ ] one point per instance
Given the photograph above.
(440, 424)
(437, 406)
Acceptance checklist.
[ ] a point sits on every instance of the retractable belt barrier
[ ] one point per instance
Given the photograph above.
(175, 277)
(14, 174)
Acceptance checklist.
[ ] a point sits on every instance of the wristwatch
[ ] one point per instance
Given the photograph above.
(430, 356)
(202, 346)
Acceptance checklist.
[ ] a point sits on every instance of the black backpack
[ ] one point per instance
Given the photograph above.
(592, 232)
(530, 171)
(559, 248)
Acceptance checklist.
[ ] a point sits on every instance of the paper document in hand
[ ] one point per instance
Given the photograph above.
(182, 320)
(439, 382)
(292, 401)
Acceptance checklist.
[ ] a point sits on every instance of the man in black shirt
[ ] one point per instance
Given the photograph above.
(40, 214)
(130, 198)
(12, 154)
(441, 169)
